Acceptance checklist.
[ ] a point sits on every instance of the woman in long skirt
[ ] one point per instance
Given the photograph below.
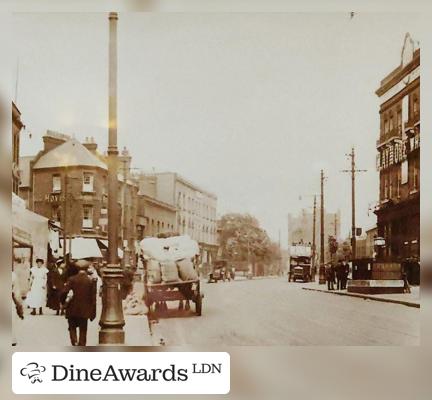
(55, 283)
(36, 298)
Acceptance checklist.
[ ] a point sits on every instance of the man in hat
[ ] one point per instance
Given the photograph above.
(79, 295)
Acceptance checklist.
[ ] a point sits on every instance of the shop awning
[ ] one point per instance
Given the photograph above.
(104, 244)
(29, 230)
(84, 248)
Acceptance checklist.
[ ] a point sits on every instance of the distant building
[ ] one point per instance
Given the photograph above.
(17, 125)
(154, 216)
(365, 243)
(300, 228)
(195, 208)
(398, 162)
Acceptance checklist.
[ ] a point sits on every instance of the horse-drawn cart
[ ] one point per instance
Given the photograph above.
(171, 273)
(157, 294)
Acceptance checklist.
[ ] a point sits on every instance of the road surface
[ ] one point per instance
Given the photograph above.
(271, 311)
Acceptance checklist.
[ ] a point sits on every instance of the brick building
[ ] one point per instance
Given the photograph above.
(67, 183)
(398, 162)
(17, 125)
(154, 216)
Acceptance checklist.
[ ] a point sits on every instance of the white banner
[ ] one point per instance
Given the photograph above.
(120, 372)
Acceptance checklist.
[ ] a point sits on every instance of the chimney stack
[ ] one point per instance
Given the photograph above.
(53, 139)
(90, 144)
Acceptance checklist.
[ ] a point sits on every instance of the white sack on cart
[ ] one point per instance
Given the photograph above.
(153, 248)
(182, 247)
(154, 271)
(169, 271)
(186, 270)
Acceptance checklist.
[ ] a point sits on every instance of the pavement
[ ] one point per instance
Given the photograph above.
(408, 299)
(275, 312)
(52, 330)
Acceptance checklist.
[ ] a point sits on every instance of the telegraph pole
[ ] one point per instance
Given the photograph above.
(353, 172)
(335, 226)
(314, 238)
(321, 267)
(112, 320)
(280, 253)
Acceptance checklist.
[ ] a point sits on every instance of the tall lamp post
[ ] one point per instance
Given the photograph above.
(112, 320)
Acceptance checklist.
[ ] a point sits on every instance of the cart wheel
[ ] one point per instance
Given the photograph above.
(198, 305)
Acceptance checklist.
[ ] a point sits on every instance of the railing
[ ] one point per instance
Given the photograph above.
(395, 133)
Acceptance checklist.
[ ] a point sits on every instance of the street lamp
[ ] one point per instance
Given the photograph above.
(112, 320)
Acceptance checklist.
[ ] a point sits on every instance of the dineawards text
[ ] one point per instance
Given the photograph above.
(112, 374)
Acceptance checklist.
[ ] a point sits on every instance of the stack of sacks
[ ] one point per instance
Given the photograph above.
(170, 260)
(186, 269)
(181, 247)
(169, 271)
(154, 271)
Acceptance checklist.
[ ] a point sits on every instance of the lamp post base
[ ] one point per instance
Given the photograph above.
(111, 336)
(112, 320)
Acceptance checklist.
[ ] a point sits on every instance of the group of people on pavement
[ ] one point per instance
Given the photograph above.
(337, 274)
(71, 292)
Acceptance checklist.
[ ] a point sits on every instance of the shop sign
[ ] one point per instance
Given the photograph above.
(397, 151)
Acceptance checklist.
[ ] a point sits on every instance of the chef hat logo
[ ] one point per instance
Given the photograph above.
(33, 371)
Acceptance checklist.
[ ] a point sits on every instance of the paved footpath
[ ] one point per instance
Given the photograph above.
(408, 299)
(52, 330)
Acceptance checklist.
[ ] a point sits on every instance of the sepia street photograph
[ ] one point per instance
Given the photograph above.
(238, 179)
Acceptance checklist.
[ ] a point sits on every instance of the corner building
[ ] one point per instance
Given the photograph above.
(398, 163)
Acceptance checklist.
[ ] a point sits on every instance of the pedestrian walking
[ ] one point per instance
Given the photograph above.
(36, 297)
(407, 288)
(339, 275)
(56, 279)
(330, 275)
(344, 274)
(79, 296)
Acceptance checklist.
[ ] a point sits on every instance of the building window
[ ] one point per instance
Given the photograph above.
(404, 172)
(399, 121)
(87, 217)
(415, 106)
(56, 183)
(103, 220)
(398, 183)
(386, 125)
(88, 180)
(391, 122)
(415, 177)
(386, 188)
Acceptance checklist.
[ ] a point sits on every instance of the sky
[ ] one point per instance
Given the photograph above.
(250, 106)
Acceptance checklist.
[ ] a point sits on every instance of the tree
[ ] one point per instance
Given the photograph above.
(242, 239)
